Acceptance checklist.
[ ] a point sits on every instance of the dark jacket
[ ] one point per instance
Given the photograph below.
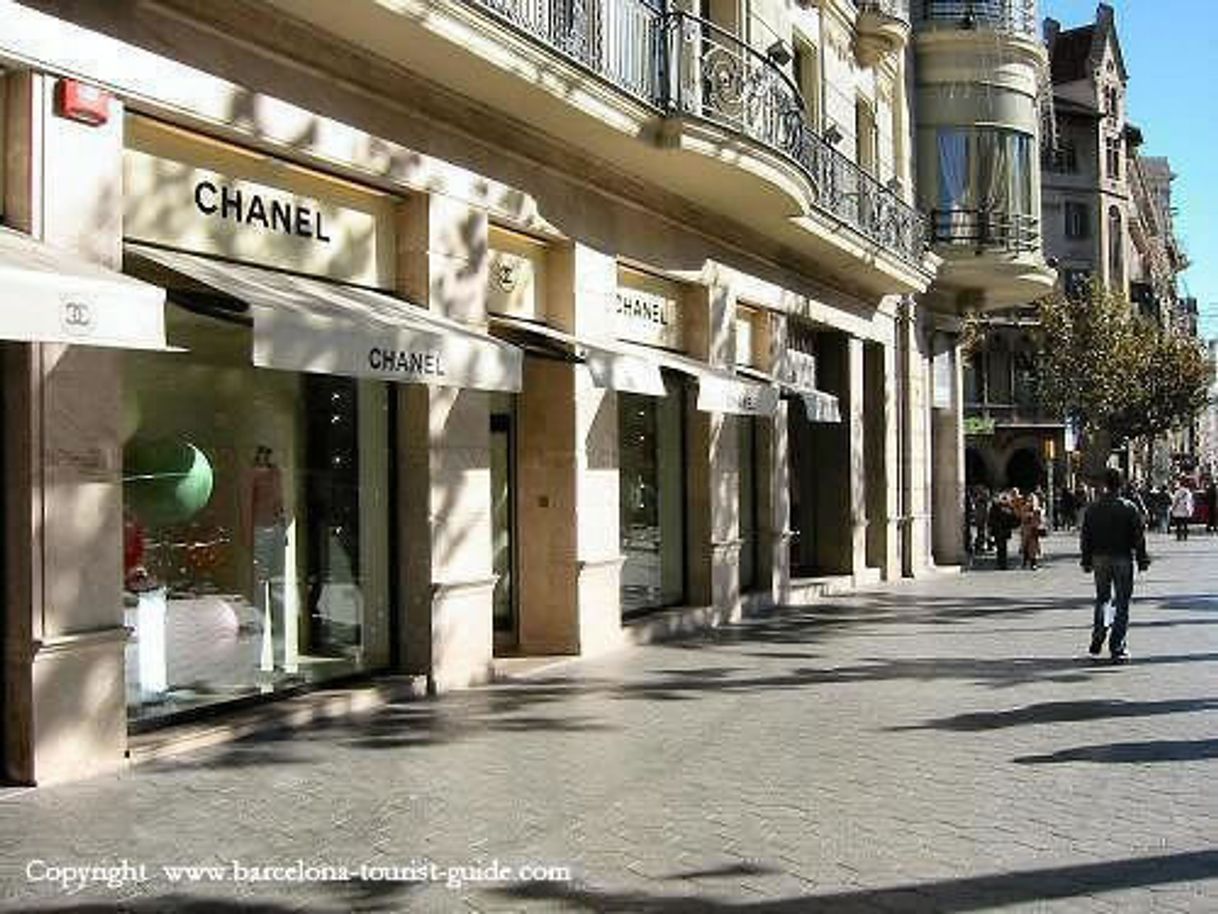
(1002, 520)
(1113, 527)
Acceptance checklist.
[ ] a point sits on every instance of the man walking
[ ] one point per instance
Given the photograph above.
(1113, 538)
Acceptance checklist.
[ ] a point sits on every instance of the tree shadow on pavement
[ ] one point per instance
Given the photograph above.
(1178, 750)
(974, 893)
(1061, 712)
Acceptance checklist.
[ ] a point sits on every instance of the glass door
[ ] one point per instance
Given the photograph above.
(503, 519)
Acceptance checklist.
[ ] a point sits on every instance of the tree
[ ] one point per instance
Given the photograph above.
(1117, 376)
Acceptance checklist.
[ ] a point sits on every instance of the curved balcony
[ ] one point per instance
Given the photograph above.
(690, 69)
(618, 40)
(983, 230)
(719, 78)
(882, 28)
(1017, 17)
(994, 256)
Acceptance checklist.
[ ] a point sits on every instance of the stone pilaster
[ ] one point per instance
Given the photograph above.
(64, 637)
(444, 459)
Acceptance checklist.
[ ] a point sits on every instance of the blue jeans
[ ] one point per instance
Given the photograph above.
(1113, 581)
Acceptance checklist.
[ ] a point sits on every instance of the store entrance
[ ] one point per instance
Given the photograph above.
(503, 521)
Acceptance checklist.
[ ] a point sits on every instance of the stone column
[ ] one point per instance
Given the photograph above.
(582, 291)
(444, 459)
(854, 418)
(713, 460)
(65, 693)
(880, 448)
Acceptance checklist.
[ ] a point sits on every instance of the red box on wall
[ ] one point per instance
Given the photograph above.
(81, 102)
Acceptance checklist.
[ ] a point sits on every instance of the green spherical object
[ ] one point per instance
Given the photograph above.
(166, 481)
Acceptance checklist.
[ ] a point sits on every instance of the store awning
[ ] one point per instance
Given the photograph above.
(719, 391)
(820, 406)
(48, 295)
(611, 368)
(320, 327)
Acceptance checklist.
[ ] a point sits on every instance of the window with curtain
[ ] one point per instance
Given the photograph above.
(982, 172)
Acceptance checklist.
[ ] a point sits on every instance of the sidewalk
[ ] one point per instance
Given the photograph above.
(943, 745)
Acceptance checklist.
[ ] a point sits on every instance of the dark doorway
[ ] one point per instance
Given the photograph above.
(976, 471)
(1025, 470)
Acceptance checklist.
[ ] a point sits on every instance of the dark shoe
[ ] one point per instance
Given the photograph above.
(1097, 642)
(1121, 656)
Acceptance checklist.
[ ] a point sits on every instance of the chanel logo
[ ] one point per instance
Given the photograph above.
(77, 316)
(506, 275)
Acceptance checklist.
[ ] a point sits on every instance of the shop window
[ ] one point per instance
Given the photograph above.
(255, 522)
(652, 498)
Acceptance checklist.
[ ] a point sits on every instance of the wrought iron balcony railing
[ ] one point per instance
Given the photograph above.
(985, 229)
(685, 66)
(618, 40)
(893, 9)
(1016, 16)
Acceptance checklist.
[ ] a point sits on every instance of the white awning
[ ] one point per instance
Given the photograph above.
(820, 406)
(610, 367)
(311, 325)
(719, 391)
(51, 296)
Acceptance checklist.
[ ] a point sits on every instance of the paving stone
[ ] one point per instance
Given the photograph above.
(923, 746)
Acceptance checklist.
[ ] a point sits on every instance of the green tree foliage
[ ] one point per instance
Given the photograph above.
(1115, 374)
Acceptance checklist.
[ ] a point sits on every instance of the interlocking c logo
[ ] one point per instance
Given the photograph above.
(77, 317)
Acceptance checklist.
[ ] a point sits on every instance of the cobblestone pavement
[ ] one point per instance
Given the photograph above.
(943, 745)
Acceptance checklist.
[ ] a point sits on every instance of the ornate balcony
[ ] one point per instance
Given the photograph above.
(882, 29)
(983, 230)
(1018, 17)
(618, 40)
(688, 68)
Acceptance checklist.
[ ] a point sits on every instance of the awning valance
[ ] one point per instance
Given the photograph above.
(611, 368)
(820, 406)
(719, 391)
(321, 327)
(48, 295)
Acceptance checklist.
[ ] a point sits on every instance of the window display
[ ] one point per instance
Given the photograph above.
(652, 498)
(255, 507)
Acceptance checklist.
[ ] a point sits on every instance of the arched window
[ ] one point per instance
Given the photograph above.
(1116, 249)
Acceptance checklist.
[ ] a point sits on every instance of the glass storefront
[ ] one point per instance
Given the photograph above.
(503, 519)
(652, 493)
(256, 511)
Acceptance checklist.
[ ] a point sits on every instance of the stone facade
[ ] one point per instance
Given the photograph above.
(517, 189)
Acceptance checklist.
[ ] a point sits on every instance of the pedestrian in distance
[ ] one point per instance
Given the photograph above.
(1211, 506)
(1002, 522)
(1182, 508)
(981, 515)
(1113, 539)
(1032, 530)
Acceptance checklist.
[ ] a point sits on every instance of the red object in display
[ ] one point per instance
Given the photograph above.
(81, 102)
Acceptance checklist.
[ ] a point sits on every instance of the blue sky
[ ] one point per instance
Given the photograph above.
(1166, 44)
